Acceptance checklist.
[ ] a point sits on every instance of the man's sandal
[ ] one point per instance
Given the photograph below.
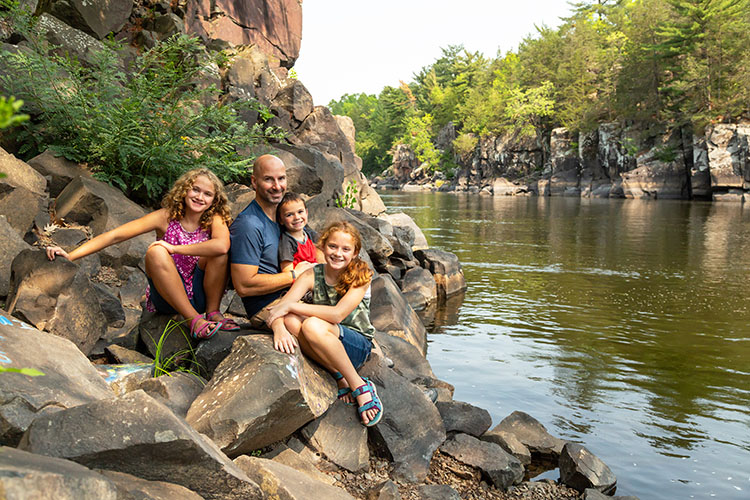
(343, 391)
(205, 331)
(225, 324)
(374, 403)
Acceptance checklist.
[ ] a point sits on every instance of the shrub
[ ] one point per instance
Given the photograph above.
(138, 127)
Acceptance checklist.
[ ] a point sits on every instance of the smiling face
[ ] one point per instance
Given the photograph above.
(200, 196)
(269, 179)
(339, 250)
(293, 215)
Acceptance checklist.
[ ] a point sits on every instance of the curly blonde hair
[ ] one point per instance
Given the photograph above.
(174, 200)
(357, 273)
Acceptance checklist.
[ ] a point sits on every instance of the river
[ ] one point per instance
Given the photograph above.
(620, 324)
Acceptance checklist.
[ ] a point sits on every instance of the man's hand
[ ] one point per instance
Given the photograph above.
(284, 341)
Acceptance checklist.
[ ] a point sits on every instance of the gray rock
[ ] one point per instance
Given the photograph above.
(11, 244)
(22, 193)
(210, 354)
(401, 220)
(531, 433)
(111, 306)
(59, 171)
(581, 469)
(239, 197)
(137, 435)
(125, 336)
(123, 379)
(258, 395)
(285, 455)
(56, 296)
(464, 418)
(387, 490)
(166, 333)
(69, 378)
(419, 288)
(728, 149)
(141, 489)
(96, 17)
(123, 355)
(132, 293)
(509, 443)
(437, 492)
(68, 238)
(392, 314)
(26, 475)
(369, 199)
(408, 361)
(411, 428)
(340, 436)
(280, 481)
(20, 174)
(502, 468)
(96, 204)
(295, 99)
(177, 390)
(446, 270)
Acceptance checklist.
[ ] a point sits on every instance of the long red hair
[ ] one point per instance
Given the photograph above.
(357, 273)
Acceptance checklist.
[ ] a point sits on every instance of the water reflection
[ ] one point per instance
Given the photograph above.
(620, 323)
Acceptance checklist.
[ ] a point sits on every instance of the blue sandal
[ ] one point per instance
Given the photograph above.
(374, 403)
(344, 390)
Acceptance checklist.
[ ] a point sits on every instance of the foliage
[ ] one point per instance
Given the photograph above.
(464, 144)
(9, 112)
(418, 136)
(137, 127)
(349, 198)
(184, 360)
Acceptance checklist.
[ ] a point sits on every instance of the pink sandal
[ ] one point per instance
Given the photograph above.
(205, 331)
(225, 324)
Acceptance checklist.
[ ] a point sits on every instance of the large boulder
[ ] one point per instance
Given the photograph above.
(11, 244)
(401, 220)
(340, 436)
(409, 362)
(176, 390)
(96, 17)
(728, 148)
(71, 41)
(239, 196)
(141, 489)
(22, 193)
(165, 334)
(69, 378)
(96, 204)
(137, 435)
(419, 288)
(464, 417)
(510, 443)
(274, 27)
(250, 76)
(531, 433)
(502, 468)
(392, 314)
(411, 428)
(258, 395)
(281, 481)
(581, 469)
(295, 99)
(446, 270)
(58, 171)
(656, 180)
(26, 475)
(57, 297)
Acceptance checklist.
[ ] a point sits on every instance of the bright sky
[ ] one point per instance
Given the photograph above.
(351, 46)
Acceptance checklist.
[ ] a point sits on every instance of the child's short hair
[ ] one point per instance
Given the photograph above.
(174, 200)
(289, 197)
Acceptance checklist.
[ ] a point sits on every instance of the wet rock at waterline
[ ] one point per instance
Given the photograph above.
(464, 418)
(57, 297)
(592, 494)
(531, 433)
(581, 469)
(137, 435)
(258, 395)
(340, 436)
(510, 443)
(502, 468)
(446, 270)
(69, 378)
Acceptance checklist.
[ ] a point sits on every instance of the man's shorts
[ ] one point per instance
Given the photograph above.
(199, 295)
(357, 346)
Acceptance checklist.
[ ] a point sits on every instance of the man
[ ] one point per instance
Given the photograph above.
(254, 252)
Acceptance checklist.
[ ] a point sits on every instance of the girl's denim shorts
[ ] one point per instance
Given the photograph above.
(357, 346)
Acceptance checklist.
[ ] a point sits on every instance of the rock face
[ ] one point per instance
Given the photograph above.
(419, 288)
(391, 313)
(340, 436)
(258, 395)
(148, 490)
(446, 269)
(26, 475)
(11, 244)
(531, 433)
(69, 379)
(581, 469)
(503, 469)
(728, 153)
(57, 297)
(137, 435)
(58, 170)
(464, 418)
(96, 17)
(22, 193)
(93, 203)
(276, 27)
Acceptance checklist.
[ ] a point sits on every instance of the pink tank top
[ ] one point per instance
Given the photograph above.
(176, 235)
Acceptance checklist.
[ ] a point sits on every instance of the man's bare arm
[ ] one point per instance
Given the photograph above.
(249, 282)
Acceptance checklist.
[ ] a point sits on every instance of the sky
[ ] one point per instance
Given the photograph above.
(351, 46)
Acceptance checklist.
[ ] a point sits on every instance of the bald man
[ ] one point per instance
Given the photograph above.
(254, 254)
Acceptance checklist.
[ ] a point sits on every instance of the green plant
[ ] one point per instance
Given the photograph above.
(9, 112)
(183, 360)
(349, 198)
(137, 127)
(293, 74)
(666, 154)
(629, 146)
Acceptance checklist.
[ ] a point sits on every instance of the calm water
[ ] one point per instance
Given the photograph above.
(621, 324)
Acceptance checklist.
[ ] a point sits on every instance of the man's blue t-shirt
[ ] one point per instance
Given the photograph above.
(255, 241)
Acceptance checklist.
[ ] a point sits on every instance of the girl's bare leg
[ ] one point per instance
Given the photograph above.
(319, 340)
(214, 280)
(162, 271)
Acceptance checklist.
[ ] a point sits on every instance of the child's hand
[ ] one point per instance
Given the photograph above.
(277, 312)
(53, 251)
(302, 266)
(284, 341)
(161, 243)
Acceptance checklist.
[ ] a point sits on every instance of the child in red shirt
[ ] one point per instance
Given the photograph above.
(297, 241)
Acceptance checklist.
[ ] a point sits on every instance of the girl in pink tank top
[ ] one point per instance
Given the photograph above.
(187, 265)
